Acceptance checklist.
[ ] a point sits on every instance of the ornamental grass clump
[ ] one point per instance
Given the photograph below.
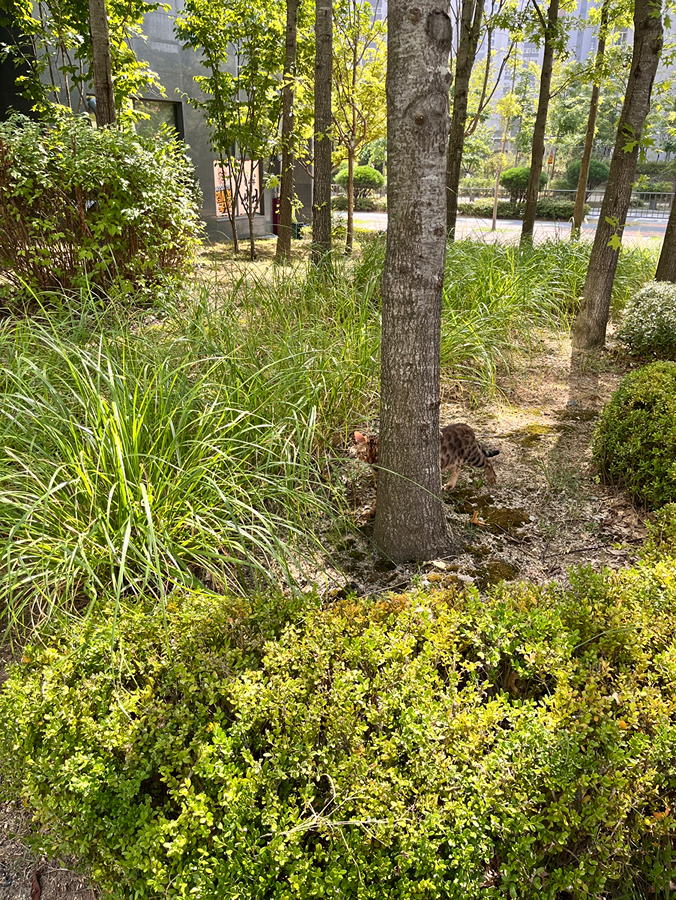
(634, 443)
(131, 463)
(649, 323)
(84, 207)
(417, 746)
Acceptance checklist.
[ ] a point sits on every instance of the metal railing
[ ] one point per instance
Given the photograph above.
(643, 204)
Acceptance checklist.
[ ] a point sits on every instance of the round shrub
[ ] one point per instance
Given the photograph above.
(82, 206)
(420, 746)
(635, 439)
(364, 178)
(516, 182)
(649, 324)
(598, 173)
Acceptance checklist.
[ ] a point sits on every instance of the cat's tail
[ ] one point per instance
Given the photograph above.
(489, 453)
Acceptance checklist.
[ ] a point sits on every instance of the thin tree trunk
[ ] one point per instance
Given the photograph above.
(589, 330)
(410, 517)
(537, 156)
(581, 194)
(349, 240)
(470, 26)
(666, 267)
(497, 177)
(283, 249)
(232, 205)
(101, 63)
(321, 195)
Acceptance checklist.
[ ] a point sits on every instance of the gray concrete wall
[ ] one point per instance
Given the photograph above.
(176, 68)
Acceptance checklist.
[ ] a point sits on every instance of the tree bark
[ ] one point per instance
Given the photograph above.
(101, 63)
(581, 195)
(283, 249)
(666, 267)
(589, 329)
(470, 26)
(410, 518)
(537, 156)
(321, 196)
(349, 238)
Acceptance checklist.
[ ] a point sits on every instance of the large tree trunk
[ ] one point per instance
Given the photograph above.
(537, 156)
(410, 518)
(666, 267)
(589, 330)
(283, 249)
(470, 27)
(581, 195)
(101, 63)
(321, 193)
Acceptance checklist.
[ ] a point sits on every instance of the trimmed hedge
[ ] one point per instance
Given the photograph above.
(421, 746)
(548, 209)
(361, 204)
(635, 439)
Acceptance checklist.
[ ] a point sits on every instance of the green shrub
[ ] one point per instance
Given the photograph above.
(553, 210)
(516, 182)
(649, 323)
(364, 179)
(420, 746)
(557, 210)
(83, 206)
(635, 439)
(598, 173)
(484, 209)
(361, 204)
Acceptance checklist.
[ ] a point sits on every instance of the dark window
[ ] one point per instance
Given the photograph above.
(160, 112)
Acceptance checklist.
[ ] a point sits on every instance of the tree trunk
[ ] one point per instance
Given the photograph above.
(538, 153)
(349, 240)
(283, 249)
(321, 194)
(589, 329)
(470, 26)
(581, 195)
(101, 63)
(410, 518)
(496, 190)
(666, 267)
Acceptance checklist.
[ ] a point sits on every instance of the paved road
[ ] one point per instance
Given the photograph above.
(645, 231)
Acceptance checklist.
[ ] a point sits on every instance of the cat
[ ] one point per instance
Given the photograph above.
(457, 446)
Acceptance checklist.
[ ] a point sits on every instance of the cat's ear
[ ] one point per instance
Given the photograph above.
(359, 437)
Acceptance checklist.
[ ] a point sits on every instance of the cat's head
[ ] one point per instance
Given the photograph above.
(367, 448)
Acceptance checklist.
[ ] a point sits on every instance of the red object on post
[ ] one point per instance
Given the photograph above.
(275, 215)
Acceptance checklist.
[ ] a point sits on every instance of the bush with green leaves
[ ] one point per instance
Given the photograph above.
(598, 173)
(82, 206)
(546, 208)
(516, 182)
(649, 322)
(361, 204)
(364, 178)
(418, 746)
(635, 439)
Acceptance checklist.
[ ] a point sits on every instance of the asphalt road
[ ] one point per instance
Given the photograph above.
(636, 230)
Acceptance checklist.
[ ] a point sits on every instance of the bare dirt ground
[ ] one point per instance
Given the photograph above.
(546, 513)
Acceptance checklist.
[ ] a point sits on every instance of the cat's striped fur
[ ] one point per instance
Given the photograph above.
(458, 446)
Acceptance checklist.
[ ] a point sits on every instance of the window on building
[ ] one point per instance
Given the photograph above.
(159, 112)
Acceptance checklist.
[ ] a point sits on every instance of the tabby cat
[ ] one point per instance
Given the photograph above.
(457, 446)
